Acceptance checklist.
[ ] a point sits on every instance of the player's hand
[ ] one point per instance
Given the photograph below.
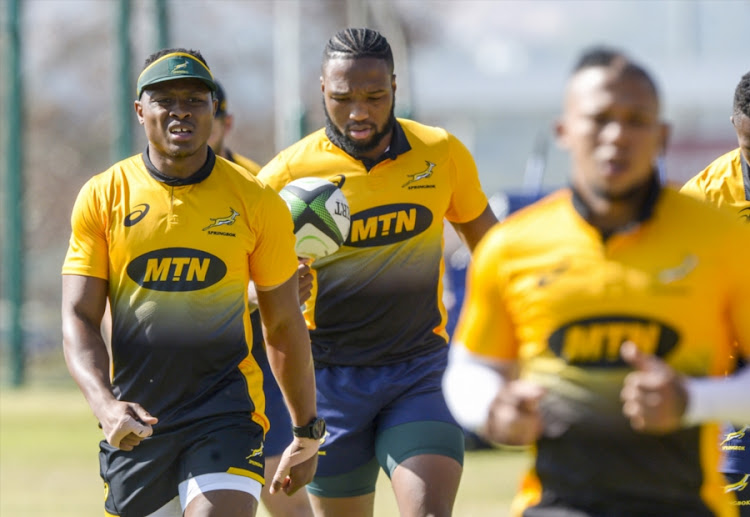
(126, 424)
(654, 395)
(297, 466)
(305, 277)
(515, 417)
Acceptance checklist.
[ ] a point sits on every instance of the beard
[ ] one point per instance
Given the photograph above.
(353, 147)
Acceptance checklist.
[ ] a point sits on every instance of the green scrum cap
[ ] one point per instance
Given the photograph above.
(177, 65)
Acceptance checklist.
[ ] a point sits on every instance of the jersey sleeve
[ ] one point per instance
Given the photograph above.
(88, 250)
(739, 277)
(485, 326)
(468, 200)
(694, 188)
(273, 261)
(275, 173)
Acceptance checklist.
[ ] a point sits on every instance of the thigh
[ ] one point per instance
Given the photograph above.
(227, 450)
(417, 421)
(142, 481)
(349, 400)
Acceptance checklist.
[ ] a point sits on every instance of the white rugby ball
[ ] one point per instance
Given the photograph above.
(320, 213)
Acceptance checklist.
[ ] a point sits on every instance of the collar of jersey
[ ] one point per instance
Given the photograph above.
(399, 145)
(745, 176)
(646, 211)
(196, 177)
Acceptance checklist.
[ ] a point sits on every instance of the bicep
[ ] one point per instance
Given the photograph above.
(84, 299)
(277, 302)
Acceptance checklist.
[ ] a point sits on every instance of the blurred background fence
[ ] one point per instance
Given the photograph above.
(491, 72)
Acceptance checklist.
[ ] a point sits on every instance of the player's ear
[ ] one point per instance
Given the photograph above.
(322, 84)
(666, 132)
(138, 110)
(393, 82)
(228, 122)
(560, 134)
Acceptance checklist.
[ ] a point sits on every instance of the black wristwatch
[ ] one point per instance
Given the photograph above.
(316, 429)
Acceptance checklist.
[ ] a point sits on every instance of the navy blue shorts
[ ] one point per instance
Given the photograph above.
(279, 436)
(382, 415)
(141, 481)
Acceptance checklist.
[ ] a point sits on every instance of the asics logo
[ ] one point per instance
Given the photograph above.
(745, 214)
(136, 215)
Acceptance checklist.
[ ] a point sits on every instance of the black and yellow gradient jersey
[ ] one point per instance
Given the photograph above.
(724, 183)
(178, 255)
(377, 300)
(547, 290)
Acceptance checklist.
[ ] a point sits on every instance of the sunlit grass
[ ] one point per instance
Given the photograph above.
(48, 462)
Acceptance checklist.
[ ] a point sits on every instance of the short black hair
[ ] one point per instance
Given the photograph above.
(606, 56)
(353, 43)
(163, 52)
(742, 96)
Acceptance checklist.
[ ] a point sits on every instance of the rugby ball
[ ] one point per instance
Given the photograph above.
(320, 213)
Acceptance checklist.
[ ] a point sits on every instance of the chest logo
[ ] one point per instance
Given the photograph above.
(176, 269)
(745, 214)
(223, 221)
(418, 176)
(596, 342)
(388, 224)
(136, 215)
(667, 276)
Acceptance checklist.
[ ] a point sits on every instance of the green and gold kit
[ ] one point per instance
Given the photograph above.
(178, 256)
(546, 289)
(724, 183)
(377, 300)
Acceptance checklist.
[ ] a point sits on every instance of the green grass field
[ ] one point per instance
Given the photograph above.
(48, 462)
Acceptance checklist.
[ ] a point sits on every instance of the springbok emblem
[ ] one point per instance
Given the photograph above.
(221, 221)
(420, 175)
(254, 453)
(735, 435)
(738, 486)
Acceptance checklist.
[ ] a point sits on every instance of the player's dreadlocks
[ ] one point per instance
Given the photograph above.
(356, 43)
(159, 53)
(599, 56)
(742, 96)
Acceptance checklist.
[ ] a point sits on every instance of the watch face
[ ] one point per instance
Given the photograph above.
(318, 428)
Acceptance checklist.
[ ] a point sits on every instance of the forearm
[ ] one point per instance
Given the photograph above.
(723, 399)
(88, 363)
(290, 358)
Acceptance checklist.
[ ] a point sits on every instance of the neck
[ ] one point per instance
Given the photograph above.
(178, 166)
(609, 214)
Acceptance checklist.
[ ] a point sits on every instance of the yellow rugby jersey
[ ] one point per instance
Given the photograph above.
(245, 162)
(545, 289)
(724, 183)
(377, 300)
(178, 255)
